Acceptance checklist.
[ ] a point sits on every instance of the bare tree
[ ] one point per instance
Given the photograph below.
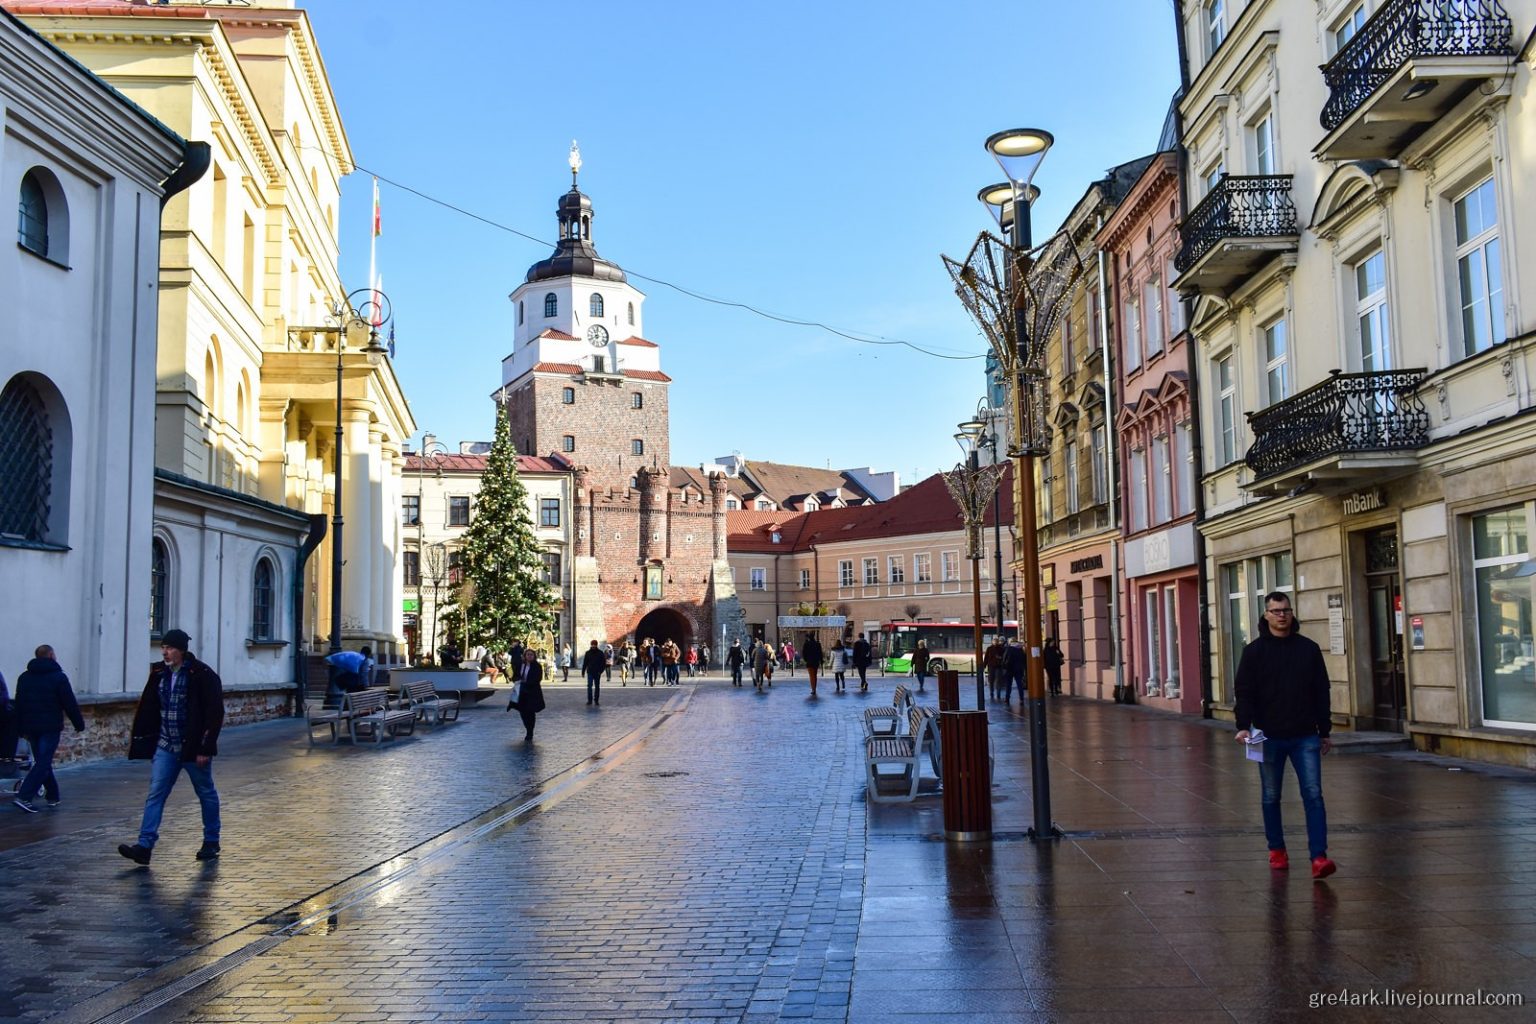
(912, 610)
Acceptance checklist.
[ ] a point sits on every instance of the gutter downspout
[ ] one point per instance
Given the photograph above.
(1112, 473)
(318, 525)
(195, 159)
(1196, 445)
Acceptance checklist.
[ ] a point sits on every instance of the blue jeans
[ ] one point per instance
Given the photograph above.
(44, 745)
(594, 686)
(1306, 754)
(163, 771)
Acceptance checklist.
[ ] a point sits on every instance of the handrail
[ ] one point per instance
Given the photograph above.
(1348, 412)
(1240, 206)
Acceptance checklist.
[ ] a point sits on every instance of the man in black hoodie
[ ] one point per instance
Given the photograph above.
(1282, 688)
(43, 698)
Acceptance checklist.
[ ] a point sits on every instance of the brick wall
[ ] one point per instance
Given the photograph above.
(603, 421)
(108, 723)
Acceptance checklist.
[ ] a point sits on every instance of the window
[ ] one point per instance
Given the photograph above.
(599, 364)
(1170, 642)
(805, 579)
(1132, 332)
(764, 505)
(159, 586)
(1277, 373)
(1172, 301)
(637, 447)
(411, 568)
(896, 569)
(1215, 15)
(568, 443)
(263, 601)
(631, 314)
(949, 562)
(1479, 272)
(455, 568)
(845, 572)
(1212, 177)
(551, 573)
(1226, 412)
(595, 305)
(1093, 320)
(922, 568)
(1344, 30)
(1184, 469)
(1069, 456)
(1067, 360)
(1374, 334)
(1500, 545)
(567, 396)
(1138, 487)
(1152, 298)
(759, 578)
(27, 456)
(519, 312)
(1100, 468)
(410, 510)
(1162, 481)
(32, 215)
(551, 306)
(458, 510)
(871, 572)
(1263, 134)
(549, 511)
(1246, 583)
(636, 400)
(1047, 484)
(732, 503)
(1154, 642)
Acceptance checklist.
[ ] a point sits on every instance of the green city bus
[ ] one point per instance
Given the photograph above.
(951, 645)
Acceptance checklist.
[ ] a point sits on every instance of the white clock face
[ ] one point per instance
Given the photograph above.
(597, 335)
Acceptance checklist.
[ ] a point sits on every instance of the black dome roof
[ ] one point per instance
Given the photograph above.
(574, 254)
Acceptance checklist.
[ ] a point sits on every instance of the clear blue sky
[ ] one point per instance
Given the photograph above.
(811, 159)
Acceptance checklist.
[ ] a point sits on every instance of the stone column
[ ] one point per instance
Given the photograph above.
(581, 513)
(717, 493)
(653, 514)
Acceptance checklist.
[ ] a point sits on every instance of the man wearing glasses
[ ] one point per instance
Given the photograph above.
(1282, 689)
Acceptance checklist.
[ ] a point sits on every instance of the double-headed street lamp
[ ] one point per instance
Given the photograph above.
(984, 428)
(1015, 294)
(972, 485)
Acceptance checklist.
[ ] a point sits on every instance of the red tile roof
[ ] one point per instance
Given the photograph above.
(639, 342)
(648, 375)
(556, 368)
(573, 369)
(452, 463)
(550, 332)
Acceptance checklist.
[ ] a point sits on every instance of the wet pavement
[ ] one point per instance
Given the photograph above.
(706, 853)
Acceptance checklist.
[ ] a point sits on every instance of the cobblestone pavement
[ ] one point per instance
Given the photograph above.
(707, 854)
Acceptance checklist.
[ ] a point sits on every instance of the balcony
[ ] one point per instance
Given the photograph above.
(1241, 225)
(1348, 431)
(1405, 69)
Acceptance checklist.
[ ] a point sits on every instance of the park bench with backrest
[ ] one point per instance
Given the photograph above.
(369, 712)
(429, 706)
(906, 750)
(886, 721)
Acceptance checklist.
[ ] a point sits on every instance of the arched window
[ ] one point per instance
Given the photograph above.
(34, 462)
(519, 312)
(263, 601)
(631, 314)
(551, 306)
(159, 586)
(596, 304)
(32, 219)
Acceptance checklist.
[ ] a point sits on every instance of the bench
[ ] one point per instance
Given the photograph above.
(368, 711)
(906, 751)
(423, 699)
(316, 713)
(885, 721)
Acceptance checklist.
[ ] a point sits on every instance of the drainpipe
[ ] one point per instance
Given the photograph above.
(317, 529)
(776, 612)
(1112, 475)
(1196, 446)
(195, 158)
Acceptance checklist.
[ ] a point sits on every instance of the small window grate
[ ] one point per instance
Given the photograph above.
(26, 462)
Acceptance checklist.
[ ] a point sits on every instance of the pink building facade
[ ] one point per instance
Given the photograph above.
(1161, 592)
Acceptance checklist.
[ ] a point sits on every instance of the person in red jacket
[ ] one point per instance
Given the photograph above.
(177, 727)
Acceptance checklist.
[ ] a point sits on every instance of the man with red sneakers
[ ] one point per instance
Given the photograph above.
(1282, 689)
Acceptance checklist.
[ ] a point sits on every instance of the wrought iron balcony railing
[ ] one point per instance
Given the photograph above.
(1404, 30)
(1240, 206)
(1347, 413)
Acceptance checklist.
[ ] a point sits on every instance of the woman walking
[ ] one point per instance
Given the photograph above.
(530, 691)
(762, 666)
(839, 662)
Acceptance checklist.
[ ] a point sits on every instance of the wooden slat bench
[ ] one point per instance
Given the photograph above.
(906, 751)
(886, 721)
(371, 714)
(428, 705)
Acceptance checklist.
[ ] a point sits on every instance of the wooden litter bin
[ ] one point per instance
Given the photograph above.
(967, 774)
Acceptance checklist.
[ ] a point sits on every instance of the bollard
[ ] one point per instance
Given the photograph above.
(967, 774)
(949, 690)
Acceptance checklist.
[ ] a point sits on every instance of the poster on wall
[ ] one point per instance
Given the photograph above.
(1335, 623)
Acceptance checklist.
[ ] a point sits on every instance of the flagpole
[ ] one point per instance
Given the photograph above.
(373, 252)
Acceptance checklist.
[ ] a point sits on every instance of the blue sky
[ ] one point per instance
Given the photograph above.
(809, 159)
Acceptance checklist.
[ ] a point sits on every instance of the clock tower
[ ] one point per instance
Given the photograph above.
(581, 381)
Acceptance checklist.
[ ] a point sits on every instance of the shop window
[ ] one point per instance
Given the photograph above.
(1501, 550)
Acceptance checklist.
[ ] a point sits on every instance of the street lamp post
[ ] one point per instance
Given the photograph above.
(987, 415)
(435, 560)
(971, 485)
(430, 449)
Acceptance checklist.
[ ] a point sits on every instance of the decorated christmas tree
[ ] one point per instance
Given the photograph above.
(509, 599)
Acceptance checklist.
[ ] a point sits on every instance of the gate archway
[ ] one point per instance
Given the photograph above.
(665, 624)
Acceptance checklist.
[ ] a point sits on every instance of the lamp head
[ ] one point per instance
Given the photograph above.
(1018, 151)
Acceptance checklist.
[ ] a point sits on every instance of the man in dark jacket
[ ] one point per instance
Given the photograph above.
(862, 656)
(177, 727)
(43, 698)
(734, 658)
(593, 664)
(812, 653)
(1282, 689)
(1015, 665)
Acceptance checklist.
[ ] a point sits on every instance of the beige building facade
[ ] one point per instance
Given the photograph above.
(1357, 250)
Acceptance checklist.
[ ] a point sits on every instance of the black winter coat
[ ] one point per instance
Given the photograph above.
(1282, 686)
(43, 698)
(812, 652)
(594, 661)
(205, 713)
(530, 693)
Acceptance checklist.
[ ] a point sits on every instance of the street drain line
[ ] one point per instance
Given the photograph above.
(178, 978)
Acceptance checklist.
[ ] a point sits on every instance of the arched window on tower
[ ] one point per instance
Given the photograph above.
(159, 586)
(519, 312)
(631, 314)
(34, 461)
(596, 304)
(42, 216)
(551, 306)
(263, 601)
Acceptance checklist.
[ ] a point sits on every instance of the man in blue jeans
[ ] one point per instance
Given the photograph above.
(177, 727)
(43, 698)
(1282, 688)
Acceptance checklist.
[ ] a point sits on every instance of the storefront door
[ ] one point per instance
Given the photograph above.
(1384, 602)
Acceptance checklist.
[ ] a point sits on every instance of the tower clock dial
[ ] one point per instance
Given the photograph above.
(597, 335)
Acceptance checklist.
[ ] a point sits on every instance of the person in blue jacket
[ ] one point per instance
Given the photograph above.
(43, 698)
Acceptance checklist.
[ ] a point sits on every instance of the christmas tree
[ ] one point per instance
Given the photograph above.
(508, 597)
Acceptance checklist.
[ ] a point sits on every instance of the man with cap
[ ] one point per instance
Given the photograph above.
(177, 727)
